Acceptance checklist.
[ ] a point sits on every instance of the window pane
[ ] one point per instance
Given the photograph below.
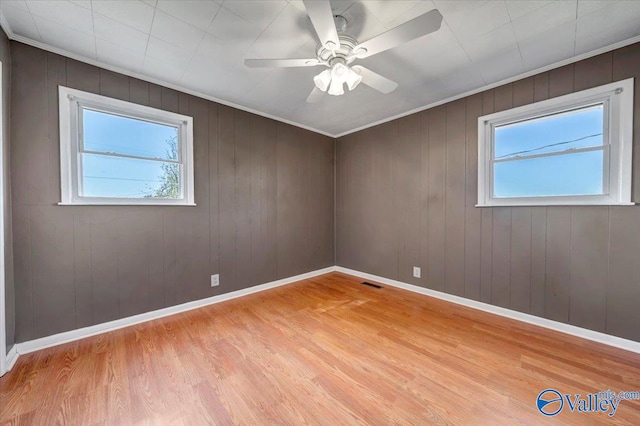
(575, 129)
(128, 136)
(565, 174)
(107, 176)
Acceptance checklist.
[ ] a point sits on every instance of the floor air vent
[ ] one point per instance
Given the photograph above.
(371, 284)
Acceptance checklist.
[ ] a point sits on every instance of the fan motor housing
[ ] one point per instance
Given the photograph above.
(347, 43)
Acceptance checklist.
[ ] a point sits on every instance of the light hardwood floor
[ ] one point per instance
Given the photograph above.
(328, 351)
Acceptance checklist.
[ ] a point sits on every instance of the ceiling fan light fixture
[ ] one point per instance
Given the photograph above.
(353, 79)
(339, 72)
(322, 80)
(336, 88)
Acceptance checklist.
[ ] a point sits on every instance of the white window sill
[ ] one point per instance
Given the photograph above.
(129, 204)
(569, 204)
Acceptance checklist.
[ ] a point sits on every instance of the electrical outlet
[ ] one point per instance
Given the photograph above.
(416, 272)
(215, 280)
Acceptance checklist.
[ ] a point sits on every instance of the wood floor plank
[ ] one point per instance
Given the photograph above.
(327, 350)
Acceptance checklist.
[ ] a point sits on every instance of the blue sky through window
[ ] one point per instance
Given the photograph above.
(567, 173)
(109, 176)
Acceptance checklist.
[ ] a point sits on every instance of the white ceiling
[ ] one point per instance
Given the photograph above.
(200, 46)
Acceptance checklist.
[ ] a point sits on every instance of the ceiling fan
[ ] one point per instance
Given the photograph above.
(337, 50)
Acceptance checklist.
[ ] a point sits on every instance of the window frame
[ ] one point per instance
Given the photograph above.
(71, 103)
(617, 98)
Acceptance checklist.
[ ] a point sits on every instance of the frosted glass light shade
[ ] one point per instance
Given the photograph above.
(339, 72)
(353, 79)
(322, 80)
(336, 88)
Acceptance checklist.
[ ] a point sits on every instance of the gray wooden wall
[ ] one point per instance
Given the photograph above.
(5, 58)
(406, 192)
(265, 207)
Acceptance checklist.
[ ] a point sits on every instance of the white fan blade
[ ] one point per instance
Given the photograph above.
(374, 80)
(322, 20)
(315, 95)
(417, 27)
(281, 63)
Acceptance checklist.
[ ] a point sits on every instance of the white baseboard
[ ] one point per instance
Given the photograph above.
(81, 333)
(584, 333)
(12, 357)
(73, 335)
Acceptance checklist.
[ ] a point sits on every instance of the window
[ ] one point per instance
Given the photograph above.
(116, 152)
(570, 150)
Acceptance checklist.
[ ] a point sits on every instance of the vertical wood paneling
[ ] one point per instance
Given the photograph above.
(539, 224)
(547, 260)
(81, 76)
(558, 238)
(520, 258)
(104, 268)
(520, 268)
(558, 266)
(423, 196)
(541, 87)
(358, 192)
(169, 257)
(132, 280)
(214, 179)
(320, 200)
(407, 186)
(226, 194)
(263, 139)
(593, 72)
(383, 258)
(269, 202)
(523, 92)
(296, 151)
(486, 222)
(56, 75)
(437, 214)
(329, 183)
(82, 267)
(154, 235)
(9, 288)
(626, 63)
(52, 265)
(501, 257)
(501, 227)
(139, 92)
(288, 223)
(193, 223)
(169, 99)
(364, 192)
(245, 269)
(538, 259)
(29, 104)
(561, 81)
(473, 215)
(589, 266)
(22, 271)
(79, 266)
(340, 200)
(257, 189)
(623, 288)
(570, 264)
(155, 96)
(114, 85)
(455, 197)
(199, 110)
